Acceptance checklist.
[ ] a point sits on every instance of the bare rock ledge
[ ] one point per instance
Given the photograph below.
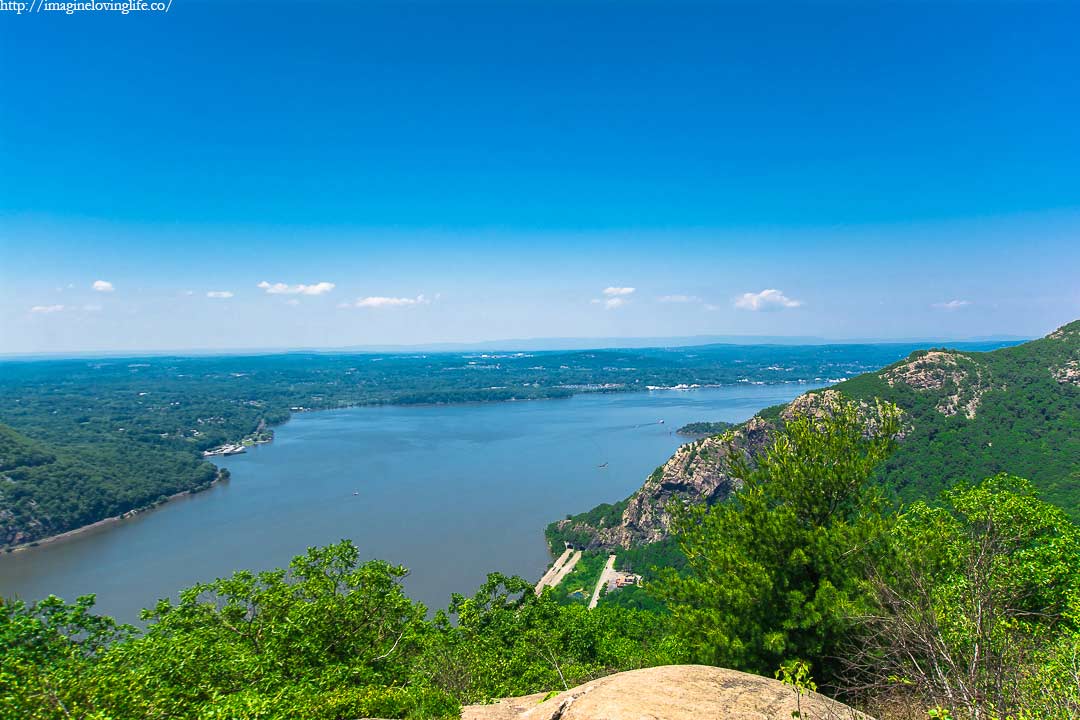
(672, 692)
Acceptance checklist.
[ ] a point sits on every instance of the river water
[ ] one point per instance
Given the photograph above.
(452, 492)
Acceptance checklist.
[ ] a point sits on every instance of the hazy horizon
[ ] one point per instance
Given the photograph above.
(552, 344)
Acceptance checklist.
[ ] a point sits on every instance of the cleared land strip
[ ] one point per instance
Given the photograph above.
(555, 566)
(559, 570)
(608, 573)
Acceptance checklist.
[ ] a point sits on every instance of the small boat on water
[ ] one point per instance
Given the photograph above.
(659, 422)
(356, 492)
(602, 466)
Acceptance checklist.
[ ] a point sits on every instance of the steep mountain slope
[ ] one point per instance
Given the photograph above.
(968, 415)
(975, 414)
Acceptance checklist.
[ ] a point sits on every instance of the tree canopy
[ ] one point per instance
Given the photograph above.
(774, 573)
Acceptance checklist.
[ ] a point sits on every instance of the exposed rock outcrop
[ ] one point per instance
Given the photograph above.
(672, 692)
(1071, 331)
(959, 379)
(13, 533)
(699, 471)
(1067, 373)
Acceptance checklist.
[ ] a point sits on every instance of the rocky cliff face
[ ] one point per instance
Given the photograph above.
(1067, 372)
(699, 471)
(13, 533)
(996, 411)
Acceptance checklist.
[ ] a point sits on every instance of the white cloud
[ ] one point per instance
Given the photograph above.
(292, 301)
(952, 305)
(103, 286)
(617, 291)
(614, 297)
(319, 288)
(769, 299)
(386, 302)
(219, 294)
(609, 303)
(678, 299)
(48, 309)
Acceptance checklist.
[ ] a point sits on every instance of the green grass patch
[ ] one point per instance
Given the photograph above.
(582, 578)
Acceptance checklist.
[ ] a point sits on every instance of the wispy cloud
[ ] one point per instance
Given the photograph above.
(377, 301)
(103, 286)
(280, 288)
(609, 303)
(614, 297)
(617, 291)
(768, 299)
(952, 305)
(48, 309)
(678, 299)
(219, 294)
(292, 301)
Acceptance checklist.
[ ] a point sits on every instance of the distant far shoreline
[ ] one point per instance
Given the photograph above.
(510, 346)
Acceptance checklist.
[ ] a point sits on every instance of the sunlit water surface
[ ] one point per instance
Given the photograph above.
(451, 492)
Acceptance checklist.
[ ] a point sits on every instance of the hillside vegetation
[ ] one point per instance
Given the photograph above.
(972, 415)
(966, 416)
(967, 608)
(704, 428)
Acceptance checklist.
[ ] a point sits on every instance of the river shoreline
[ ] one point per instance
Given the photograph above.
(219, 477)
(105, 522)
(425, 488)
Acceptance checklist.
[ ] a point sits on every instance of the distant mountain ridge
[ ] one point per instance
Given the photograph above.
(969, 415)
(554, 344)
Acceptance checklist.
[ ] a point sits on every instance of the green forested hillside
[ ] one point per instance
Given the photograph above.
(47, 489)
(704, 428)
(966, 416)
(971, 415)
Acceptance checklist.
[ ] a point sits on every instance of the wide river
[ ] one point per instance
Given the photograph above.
(452, 492)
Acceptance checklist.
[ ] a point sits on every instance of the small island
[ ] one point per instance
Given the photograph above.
(701, 429)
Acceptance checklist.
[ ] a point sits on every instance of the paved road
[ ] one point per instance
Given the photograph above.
(608, 573)
(562, 566)
(555, 567)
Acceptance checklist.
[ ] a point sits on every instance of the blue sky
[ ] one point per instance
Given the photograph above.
(466, 172)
